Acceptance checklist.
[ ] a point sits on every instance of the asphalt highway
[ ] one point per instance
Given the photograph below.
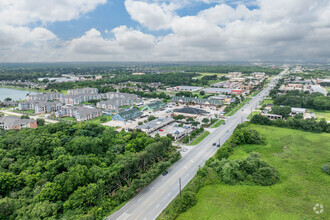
(150, 202)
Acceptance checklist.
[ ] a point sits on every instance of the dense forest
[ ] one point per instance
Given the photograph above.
(76, 171)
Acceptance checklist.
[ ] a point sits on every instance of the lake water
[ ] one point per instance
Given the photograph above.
(14, 94)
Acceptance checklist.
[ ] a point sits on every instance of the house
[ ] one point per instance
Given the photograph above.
(47, 107)
(83, 91)
(81, 113)
(114, 103)
(155, 106)
(8, 104)
(198, 101)
(14, 122)
(112, 95)
(186, 88)
(154, 125)
(45, 97)
(40, 106)
(271, 116)
(127, 115)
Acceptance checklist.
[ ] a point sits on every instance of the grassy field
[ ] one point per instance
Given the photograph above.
(322, 114)
(105, 118)
(200, 138)
(298, 156)
(68, 119)
(216, 125)
(267, 101)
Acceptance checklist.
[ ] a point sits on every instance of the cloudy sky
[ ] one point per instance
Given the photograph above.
(164, 30)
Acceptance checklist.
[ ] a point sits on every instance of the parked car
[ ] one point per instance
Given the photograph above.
(218, 145)
(214, 144)
(160, 130)
(165, 172)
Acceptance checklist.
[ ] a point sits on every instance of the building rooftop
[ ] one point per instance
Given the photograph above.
(190, 110)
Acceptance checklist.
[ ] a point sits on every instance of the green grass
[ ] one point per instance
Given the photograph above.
(321, 114)
(98, 120)
(238, 107)
(327, 88)
(200, 138)
(253, 113)
(220, 122)
(68, 119)
(125, 106)
(298, 156)
(267, 101)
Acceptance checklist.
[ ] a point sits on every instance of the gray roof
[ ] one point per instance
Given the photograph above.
(131, 113)
(196, 100)
(11, 121)
(155, 123)
(189, 110)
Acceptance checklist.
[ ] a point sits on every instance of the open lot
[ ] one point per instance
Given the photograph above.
(298, 156)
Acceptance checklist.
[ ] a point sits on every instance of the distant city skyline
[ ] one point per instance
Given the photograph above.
(164, 30)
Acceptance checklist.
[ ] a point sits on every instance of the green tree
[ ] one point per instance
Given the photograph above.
(25, 117)
(40, 122)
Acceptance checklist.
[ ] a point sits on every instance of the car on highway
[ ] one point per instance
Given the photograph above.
(165, 173)
(214, 144)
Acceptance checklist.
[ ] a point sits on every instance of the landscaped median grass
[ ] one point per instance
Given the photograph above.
(298, 156)
(200, 138)
(238, 107)
(220, 122)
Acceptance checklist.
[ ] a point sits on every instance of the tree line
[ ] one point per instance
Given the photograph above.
(311, 125)
(304, 100)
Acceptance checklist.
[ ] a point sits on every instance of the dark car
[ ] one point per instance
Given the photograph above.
(214, 144)
(165, 172)
(224, 123)
(218, 145)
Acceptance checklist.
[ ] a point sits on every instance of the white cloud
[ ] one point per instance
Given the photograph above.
(22, 12)
(275, 30)
(133, 39)
(153, 16)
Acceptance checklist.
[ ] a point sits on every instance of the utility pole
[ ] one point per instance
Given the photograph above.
(180, 185)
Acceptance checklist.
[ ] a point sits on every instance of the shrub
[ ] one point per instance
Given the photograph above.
(326, 169)
(266, 176)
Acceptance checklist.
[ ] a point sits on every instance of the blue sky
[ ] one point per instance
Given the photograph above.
(164, 30)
